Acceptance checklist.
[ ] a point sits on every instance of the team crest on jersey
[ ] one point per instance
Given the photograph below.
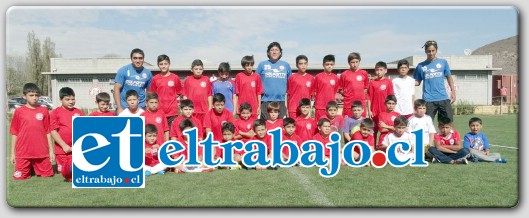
(59, 168)
(438, 65)
(424, 68)
(158, 120)
(383, 87)
(309, 126)
(308, 84)
(332, 82)
(39, 116)
(137, 77)
(252, 84)
(228, 86)
(359, 78)
(281, 67)
(170, 83)
(248, 126)
(451, 141)
(202, 84)
(393, 118)
(17, 174)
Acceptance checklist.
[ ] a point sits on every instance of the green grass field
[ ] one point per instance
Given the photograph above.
(438, 185)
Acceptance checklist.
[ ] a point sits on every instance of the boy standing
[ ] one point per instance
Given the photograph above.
(448, 148)
(325, 87)
(224, 85)
(186, 112)
(102, 101)
(478, 144)
(156, 117)
(422, 121)
(132, 103)
(168, 87)
(351, 124)
(353, 84)
(197, 88)
(61, 128)
(31, 145)
(305, 125)
(298, 86)
(404, 87)
(248, 87)
(379, 88)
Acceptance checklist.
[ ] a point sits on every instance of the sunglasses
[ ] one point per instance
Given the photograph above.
(429, 42)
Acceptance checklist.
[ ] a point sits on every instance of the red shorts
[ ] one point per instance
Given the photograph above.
(62, 160)
(293, 115)
(66, 171)
(319, 113)
(41, 166)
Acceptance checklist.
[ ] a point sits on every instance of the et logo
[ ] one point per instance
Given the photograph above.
(108, 152)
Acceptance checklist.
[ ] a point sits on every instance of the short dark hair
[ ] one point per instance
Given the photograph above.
(185, 123)
(331, 104)
(245, 106)
(163, 57)
(367, 122)
(151, 95)
(444, 121)
(270, 46)
(323, 120)
(137, 50)
(403, 62)
(186, 103)
(273, 106)
(381, 64)
(288, 121)
(301, 57)
(419, 102)
(66, 91)
(353, 55)
(131, 93)
(248, 59)
(428, 43)
(224, 67)
(102, 96)
(258, 122)
(197, 62)
(328, 58)
(218, 97)
(150, 128)
(228, 126)
(390, 98)
(357, 104)
(30, 87)
(304, 102)
(474, 119)
(400, 121)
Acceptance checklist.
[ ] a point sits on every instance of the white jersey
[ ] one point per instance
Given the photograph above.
(425, 123)
(127, 113)
(404, 90)
(405, 137)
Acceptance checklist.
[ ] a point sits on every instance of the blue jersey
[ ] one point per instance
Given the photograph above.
(274, 77)
(476, 141)
(227, 88)
(132, 79)
(433, 74)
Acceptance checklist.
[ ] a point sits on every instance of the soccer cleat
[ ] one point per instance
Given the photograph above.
(147, 173)
(462, 161)
(161, 172)
(434, 160)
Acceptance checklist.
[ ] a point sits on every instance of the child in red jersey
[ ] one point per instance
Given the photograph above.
(331, 113)
(228, 134)
(379, 88)
(184, 125)
(324, 128)
(197, 88)
(305, 125)
(243, 125)
(259, 127)
(61, 128)
(365, 134)
(298, 86)
(353, 84)
(273, 112)
(102, 101)
(289, 133)
(325, 86)
(448, 147)
(385, 119)
(156, 117)
(152, 162)
(186, 112)
(215, 118)
(31, 145)
(168, 87)
(248, 87)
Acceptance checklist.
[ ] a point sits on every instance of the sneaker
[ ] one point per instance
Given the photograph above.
(504, 160)
(474, 159)
(161, 172)
(501, 160)
(462, 161)
(147, 173)
(238, 167)
(272, 168)
(434, 160)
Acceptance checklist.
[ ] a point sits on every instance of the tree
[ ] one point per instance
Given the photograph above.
(16, 75)
(38, 60)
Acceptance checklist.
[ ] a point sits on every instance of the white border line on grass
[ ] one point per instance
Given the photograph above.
(501, 146)
(315, 194)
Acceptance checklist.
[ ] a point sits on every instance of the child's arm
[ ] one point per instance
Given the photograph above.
(117, 99)
(13, 144)
(210, 102)
(51, 148)
(65, 147)
(235, 101)
(248, 134)
(368, 109)
(347, 136)
(166, 135)
(385, 128)
(444, 149)
(258, 105)
(432, 135)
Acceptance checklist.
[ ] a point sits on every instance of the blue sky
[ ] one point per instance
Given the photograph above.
(217, 34)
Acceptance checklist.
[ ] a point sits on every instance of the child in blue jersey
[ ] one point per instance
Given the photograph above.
(478, 144)
(225, 86)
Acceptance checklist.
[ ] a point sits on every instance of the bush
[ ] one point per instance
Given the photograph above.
(463, 108)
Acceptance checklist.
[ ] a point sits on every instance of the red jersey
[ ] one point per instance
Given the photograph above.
(247, 88)
(377, 92)
(325, 89)
(450, 139)
(295, 138)
(31, 126)
(168, 89)
(107, 113)
(61, 121)
(324, 141)
(175, 127)
(198, 90)
(354, 85)
(336, 123)
(214, 121)
(271, 126)
(151, 159)
(387, 118)
(305, 128)
(298, 87)
(243, 126)
(267, 139)
(158, 119)
(370, 140)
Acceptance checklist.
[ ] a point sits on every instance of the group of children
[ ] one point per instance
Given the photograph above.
(376, 110)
